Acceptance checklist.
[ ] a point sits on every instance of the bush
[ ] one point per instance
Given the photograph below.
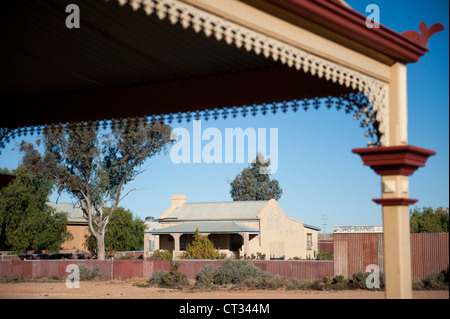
(339, 279)
(201, 248)
(86, 274)
(172, 279)
(358, 281)
(259, 256)
(446, 273)
(435, 281)
(417, 284)
(206, 275)
(126, 257)
(325, 255)
(12, 278)
(160, 277)
(236, 272)
(161, 255)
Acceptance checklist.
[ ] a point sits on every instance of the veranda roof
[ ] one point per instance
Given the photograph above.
(216, 227)
(134, 58)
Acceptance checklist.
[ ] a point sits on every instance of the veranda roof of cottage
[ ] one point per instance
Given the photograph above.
(216, 227)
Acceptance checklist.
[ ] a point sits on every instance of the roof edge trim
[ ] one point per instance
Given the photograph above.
(350, 23)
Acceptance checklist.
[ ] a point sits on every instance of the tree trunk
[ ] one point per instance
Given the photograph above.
(101, 246)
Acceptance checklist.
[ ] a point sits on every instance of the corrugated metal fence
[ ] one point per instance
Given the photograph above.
(354, 252)
(429, 254)
(125, 269)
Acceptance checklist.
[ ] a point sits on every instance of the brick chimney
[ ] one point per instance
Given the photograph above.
(178, 200)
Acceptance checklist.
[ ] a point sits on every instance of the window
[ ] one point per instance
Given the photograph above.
(235, 242)
(183, 242)
(151, 244)
(309, 242)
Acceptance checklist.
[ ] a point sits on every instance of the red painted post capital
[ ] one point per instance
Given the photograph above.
(394, 160)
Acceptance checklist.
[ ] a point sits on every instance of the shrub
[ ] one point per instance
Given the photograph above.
(435, 281)
(325, 255)
(417, 284)
(259, 256)
(161, 255)
(126, 257)
(318, 285)
(86, 274)
(236, 272)
(160, 277)
(201, 248)
(172, 279)
(12, 278)
(338, 283)
(206, 275)
(446, 273)
(339, 279)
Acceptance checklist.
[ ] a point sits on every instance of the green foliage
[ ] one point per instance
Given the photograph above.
(124, 232)
(161, 255)
(206, 275)
(94, 168)
(435, 281)
(171, 279)
(428, 220)
(325, 255)
(86, 274)
(358, 280)
(417, 284)
(236, 272)
(254, 183)
(126, 257)
(160, 277)
(26, 222)
(12, 279)
(201, 248)
(259, 256)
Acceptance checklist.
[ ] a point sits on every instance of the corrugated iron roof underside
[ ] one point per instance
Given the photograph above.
(124, 63)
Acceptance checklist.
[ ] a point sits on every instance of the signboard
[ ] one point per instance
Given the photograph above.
(357, 229)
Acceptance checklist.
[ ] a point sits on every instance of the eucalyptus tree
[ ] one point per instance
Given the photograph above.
(94, 168)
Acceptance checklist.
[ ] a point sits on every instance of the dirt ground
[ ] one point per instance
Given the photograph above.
(128, 290)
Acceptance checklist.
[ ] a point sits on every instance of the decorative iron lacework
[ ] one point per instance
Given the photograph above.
(211, 25)
(354, 103)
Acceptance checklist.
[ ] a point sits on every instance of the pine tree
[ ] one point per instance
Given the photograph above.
(201, 248)
(254, 183)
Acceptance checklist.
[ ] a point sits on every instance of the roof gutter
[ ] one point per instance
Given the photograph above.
(352, 24)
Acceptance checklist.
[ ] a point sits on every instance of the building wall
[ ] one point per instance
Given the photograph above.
(283, 236)
(79, 233)
(279, 236)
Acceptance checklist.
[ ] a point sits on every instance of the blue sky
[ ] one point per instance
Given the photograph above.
(317, 171)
